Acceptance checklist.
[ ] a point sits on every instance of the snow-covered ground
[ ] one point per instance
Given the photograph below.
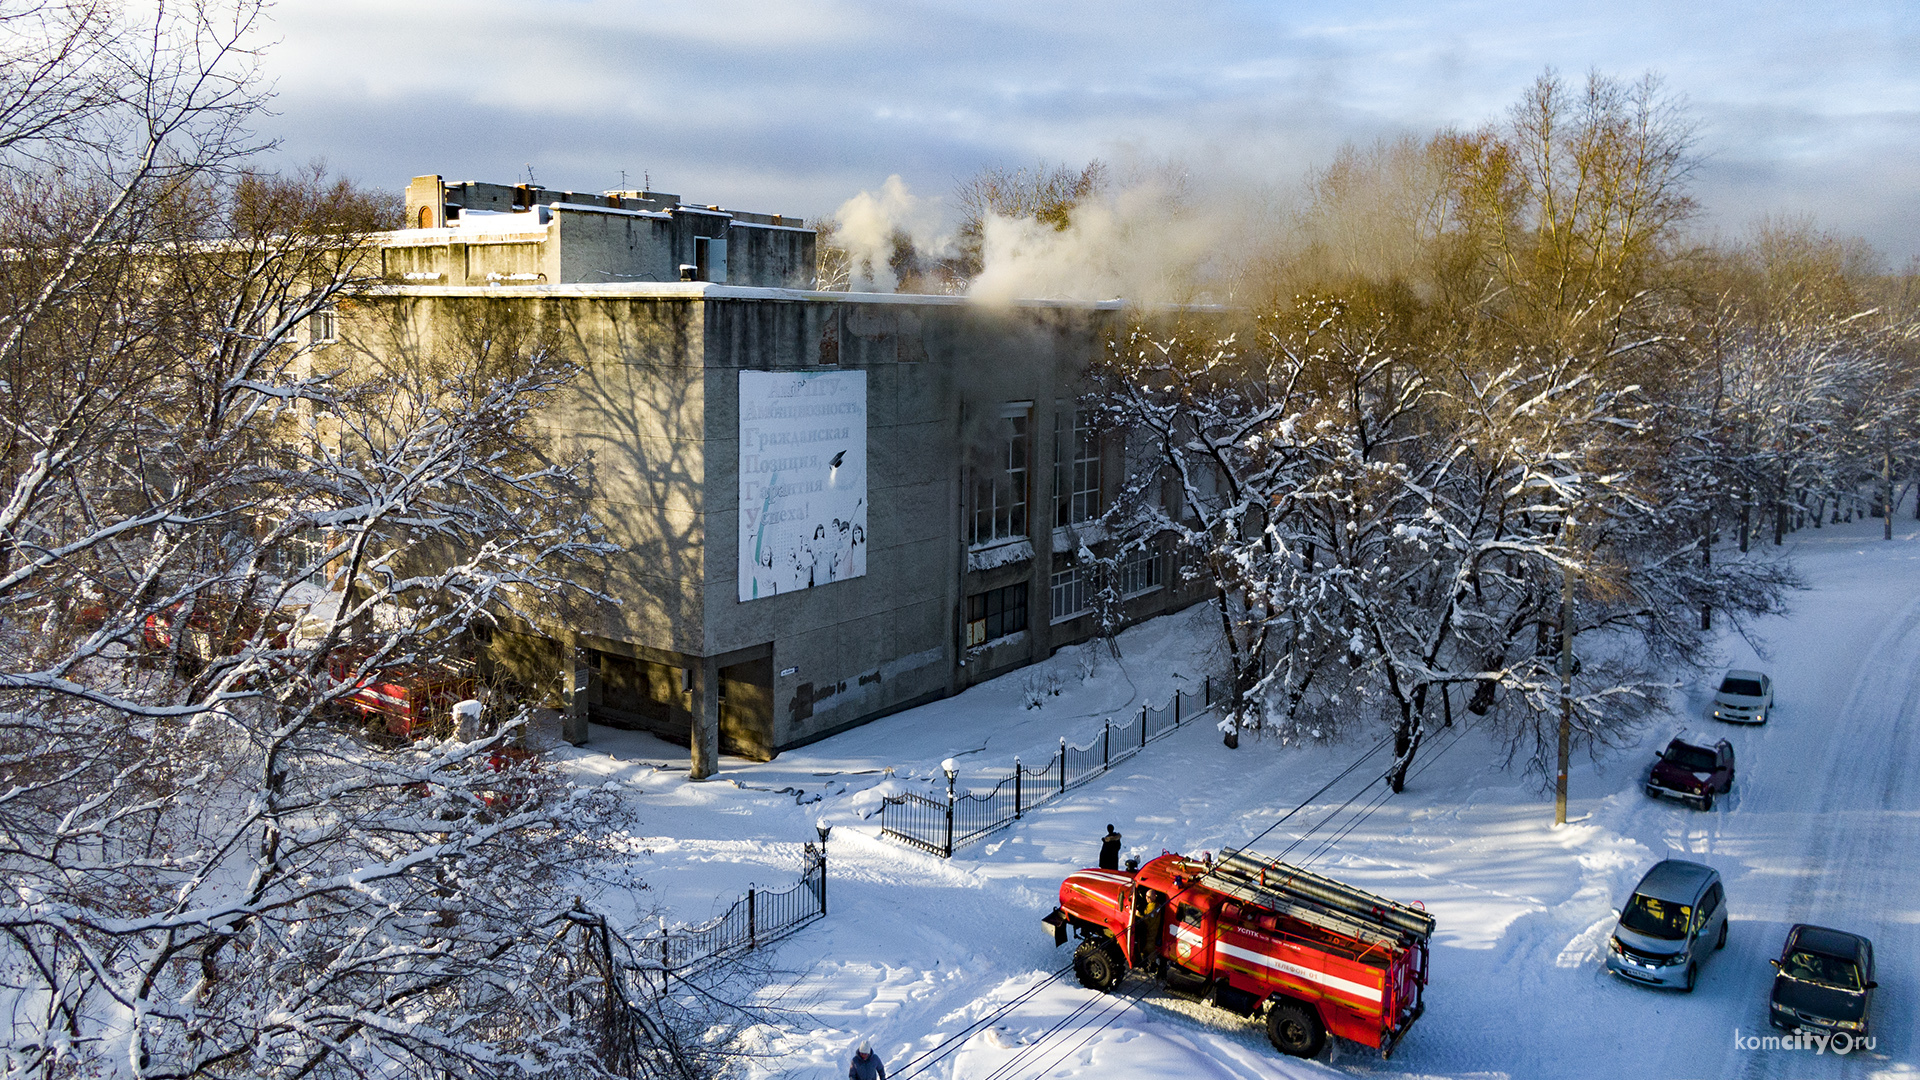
(1823, 826)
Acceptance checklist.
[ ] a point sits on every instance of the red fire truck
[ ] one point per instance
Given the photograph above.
(1250, 934)
(412, 700)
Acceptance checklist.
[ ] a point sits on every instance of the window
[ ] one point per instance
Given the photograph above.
(1072, 593)
(1141, 572)
(1076, 467)
(1000, 490)
(300, 556)
(323, 326)
(996, 613)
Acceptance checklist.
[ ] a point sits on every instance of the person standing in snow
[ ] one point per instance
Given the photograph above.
(866, 1064)
(1110, 850)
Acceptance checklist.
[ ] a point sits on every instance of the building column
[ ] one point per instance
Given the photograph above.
(705, 738)
(577, 680)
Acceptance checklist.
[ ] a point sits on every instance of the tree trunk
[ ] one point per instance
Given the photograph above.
(1706, 563)
(1886, 486)
(1566, 688)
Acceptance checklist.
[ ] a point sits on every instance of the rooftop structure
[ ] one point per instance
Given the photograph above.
(474, 233)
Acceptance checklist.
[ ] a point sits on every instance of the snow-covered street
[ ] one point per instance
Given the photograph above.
(1823, 826)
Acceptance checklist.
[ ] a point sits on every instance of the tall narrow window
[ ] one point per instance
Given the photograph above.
(1000, 489)
(323, 326)
(1143, 570)
(1076, 467)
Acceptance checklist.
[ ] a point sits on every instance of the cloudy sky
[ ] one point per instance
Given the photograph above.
(792, 106)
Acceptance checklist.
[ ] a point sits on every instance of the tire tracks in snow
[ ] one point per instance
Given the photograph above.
(1856, 859)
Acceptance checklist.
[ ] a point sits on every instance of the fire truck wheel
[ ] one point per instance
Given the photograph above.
(1294, 1029)
(1093, 961)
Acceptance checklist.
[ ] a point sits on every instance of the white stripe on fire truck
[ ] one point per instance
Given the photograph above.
(1370, 993)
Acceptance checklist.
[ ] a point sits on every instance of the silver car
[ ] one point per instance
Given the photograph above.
(1744, 697)
(1665, 926)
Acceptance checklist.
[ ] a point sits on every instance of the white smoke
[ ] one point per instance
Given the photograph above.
(1148, 241)
(869, 223)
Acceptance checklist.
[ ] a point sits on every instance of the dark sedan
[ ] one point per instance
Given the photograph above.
(1824, 982)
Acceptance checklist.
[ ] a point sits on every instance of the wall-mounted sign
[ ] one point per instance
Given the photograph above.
(786, 671)
(803, 479)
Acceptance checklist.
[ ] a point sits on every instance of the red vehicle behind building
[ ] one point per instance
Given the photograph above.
(1252, 934)
(412, 700)
(215, 628)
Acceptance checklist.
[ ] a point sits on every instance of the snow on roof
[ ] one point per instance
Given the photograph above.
(587, 208)
(497, 221)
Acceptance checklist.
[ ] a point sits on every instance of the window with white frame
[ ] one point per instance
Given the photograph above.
(1076, 467)
(1142, 571)
(323, 326)
(1072, 591)
(1000, 489)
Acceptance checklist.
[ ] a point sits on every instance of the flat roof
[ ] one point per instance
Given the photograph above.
(707, 290)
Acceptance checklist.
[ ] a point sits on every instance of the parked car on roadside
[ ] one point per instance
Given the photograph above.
(1665, 925)
(1744, 697)
(1692, 771)
(1823, 982)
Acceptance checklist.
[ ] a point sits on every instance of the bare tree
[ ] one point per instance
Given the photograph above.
(217, 516)
(1044, 193)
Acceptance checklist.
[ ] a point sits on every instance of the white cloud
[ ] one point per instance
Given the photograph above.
(791, 105)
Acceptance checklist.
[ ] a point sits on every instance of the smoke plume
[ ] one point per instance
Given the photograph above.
(874, 228)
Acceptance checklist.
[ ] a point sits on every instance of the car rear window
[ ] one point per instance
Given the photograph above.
(1741, 687)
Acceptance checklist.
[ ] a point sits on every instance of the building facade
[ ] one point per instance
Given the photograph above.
(827, 506)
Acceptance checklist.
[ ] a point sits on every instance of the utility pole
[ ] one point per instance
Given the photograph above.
(1566, 680)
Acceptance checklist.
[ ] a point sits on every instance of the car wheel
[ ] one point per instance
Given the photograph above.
(1706, 800)
(1693, 971)
(1294, 1029)
(1093, 962)
(1722, 943)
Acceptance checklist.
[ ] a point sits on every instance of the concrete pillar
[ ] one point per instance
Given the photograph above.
(577, 688)
(706, 718)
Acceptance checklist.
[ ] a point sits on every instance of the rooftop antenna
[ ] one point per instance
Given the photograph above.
(646, 180)
(531, 182)
(623, 179)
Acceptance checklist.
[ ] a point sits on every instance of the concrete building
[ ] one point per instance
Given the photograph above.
(829, 506)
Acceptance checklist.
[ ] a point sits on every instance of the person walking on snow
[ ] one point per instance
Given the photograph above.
(866, 1064)
(1110, 850)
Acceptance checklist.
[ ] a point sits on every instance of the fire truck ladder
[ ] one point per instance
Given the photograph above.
(1319, 901)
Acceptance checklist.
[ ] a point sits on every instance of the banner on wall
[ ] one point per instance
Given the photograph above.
(803, 479)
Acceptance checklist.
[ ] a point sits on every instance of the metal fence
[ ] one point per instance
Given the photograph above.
(759, 917)
(943, 826)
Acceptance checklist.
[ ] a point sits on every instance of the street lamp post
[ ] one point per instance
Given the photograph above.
(824, 830)
(950, 769)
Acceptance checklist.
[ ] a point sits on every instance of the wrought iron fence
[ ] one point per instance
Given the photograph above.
(943, 826)
(759, 917)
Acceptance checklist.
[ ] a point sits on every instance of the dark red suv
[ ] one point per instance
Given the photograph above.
(1692, 772)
